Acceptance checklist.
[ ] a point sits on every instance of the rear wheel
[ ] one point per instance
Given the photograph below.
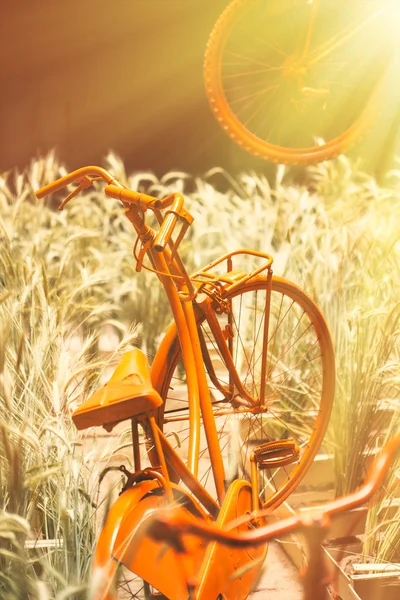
(298, 391)
(296, 81)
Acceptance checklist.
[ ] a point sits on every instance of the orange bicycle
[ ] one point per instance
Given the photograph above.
(232, 411)
(298, 81)
(173, 528)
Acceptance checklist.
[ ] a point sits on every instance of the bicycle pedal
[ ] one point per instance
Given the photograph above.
(277, 453)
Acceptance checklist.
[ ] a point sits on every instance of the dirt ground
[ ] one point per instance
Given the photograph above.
(279, 578)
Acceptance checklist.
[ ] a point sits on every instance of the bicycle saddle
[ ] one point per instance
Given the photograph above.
(127, 394)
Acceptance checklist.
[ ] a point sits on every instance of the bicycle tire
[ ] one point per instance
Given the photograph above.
(303, 410)
(297, 127)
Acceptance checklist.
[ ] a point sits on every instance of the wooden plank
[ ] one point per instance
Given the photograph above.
(343, 525)
(342, 584)
(374, 589)
(368, 567)
(350, 523)
(371, 576)
(36, 544)
(362, 587)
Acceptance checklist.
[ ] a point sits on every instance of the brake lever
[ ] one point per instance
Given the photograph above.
(84, 183)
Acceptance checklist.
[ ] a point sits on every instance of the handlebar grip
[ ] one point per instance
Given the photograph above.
(62, 182)
(53, 187)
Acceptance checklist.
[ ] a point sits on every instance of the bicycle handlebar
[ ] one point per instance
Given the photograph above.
(114, 188)
(117, 190)
(171, 527)
(127, 196)
(81, 173)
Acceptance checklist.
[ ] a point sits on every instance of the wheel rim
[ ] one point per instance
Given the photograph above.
(285, 105)
(299, 392)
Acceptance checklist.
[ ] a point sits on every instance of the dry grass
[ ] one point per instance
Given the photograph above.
(66, 276)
